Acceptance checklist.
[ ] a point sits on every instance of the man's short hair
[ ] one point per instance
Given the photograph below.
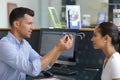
(18, 13)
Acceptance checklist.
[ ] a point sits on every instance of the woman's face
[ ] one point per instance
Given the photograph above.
(98, 40)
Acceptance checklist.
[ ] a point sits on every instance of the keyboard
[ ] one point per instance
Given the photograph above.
(62, 71)
(88, 74)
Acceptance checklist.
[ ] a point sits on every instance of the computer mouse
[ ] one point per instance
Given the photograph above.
(47, 73)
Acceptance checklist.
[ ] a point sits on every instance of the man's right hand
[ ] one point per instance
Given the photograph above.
(65, 42)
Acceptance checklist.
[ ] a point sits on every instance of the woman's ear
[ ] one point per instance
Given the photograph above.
(107, 38)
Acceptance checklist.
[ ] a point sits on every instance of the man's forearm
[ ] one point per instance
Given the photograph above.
(49, 58)
(54, 59)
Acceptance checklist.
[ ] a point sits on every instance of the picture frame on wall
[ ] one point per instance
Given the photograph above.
(101, 17)
(10, 7)
(73, 16)
(55, 18)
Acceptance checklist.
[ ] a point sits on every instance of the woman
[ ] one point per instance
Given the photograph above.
(106, 38)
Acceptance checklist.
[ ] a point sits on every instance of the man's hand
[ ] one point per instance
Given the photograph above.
(65, 42)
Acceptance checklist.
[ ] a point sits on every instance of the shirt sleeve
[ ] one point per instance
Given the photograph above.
(34, 58)
(34, 55)
(115, 68)
(16, 59)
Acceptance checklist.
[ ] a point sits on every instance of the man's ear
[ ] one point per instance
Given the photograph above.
(16, 23)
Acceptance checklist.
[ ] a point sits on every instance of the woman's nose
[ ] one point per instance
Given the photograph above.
(92, 39)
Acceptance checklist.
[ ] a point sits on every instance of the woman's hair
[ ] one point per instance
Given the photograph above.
(18, 13)
(108, 28)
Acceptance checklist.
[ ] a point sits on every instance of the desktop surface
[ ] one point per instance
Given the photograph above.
(77, 73)
(63, 70)
(82, 74)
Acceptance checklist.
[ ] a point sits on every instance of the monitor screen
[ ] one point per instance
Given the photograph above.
(48, 39)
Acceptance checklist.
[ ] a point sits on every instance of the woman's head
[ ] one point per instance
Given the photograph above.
(105, 32)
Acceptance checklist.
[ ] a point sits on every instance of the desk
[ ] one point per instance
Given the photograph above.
(81, 75)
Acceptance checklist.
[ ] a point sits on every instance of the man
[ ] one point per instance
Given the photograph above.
(17, 58)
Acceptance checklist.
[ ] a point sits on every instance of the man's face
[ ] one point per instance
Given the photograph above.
(25, 26)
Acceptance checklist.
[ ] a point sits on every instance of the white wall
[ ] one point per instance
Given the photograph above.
(32, 4)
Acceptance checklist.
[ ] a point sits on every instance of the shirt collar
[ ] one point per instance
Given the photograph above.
(13, 38)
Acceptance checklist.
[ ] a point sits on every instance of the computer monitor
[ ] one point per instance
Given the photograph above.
(48, 39)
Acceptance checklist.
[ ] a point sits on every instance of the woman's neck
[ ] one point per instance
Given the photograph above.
(109, 51)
